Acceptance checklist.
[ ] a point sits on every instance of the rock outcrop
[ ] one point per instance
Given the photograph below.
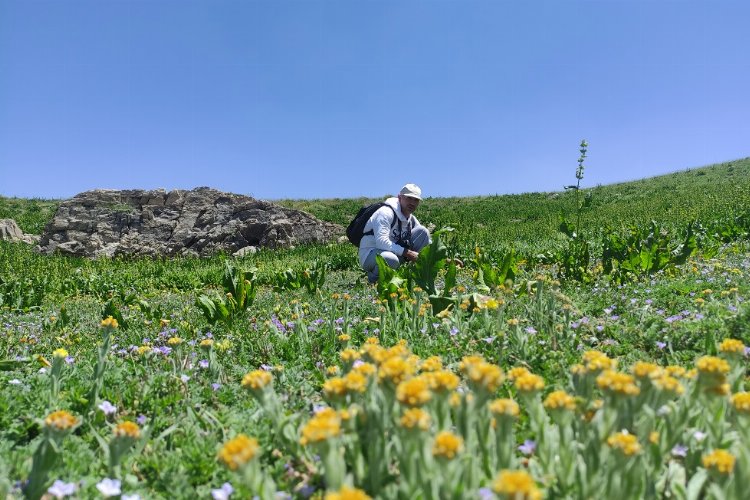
(160, 223)
(9, 231)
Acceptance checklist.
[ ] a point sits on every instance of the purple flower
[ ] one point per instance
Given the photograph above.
(203, 364)
(223, 492)
(599, 328)
(699, 316)
(648, 302)
(661, 345)
(530, 330)
(266, 368)
(485, 494)
(61, 489)
(453, 331)
(70, 360)
(489, 340)
(528, 447)
(141, 419)
(107, 407)
(614, 317)
(680, 451)
(109, 487)
(215, 386)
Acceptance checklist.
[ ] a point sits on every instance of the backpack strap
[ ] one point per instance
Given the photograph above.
(393, 222)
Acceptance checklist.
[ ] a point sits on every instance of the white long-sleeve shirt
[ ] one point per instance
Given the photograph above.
(384, 236)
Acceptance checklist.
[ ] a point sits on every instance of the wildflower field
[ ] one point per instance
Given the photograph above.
(577, 344)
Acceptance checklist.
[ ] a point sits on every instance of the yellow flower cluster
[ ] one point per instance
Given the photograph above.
(732, 347)
(414, 392)
(505, 408)
(415, 418)
(560, 400)
(174, 341)
(719, 460)
(447, 445)
(206, 343)
(109, 322)
(324, 425)
(516, 484)
(481, 374)
(349, 355)
(529, 383)
(127, 429)
(712, 374)
(60, 420)
(741, 402)
(442, 381)
(395, 370)
(517, 371)
(626, 443)
(432, 364)
(597, 361)
(238, 451)
(257, 380)
(60, 353)
(347, 493)
(644, 370)
(668, 384)
(617, 383)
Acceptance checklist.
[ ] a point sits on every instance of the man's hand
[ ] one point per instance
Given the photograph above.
(411, 255)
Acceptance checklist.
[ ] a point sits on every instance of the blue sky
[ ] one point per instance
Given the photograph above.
(331, 98)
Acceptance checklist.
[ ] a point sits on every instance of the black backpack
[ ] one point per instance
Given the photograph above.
(356, 228)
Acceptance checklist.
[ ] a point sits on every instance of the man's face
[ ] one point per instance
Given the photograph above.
(408, 204)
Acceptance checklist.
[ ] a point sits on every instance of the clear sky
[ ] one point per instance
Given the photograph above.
(345, 98)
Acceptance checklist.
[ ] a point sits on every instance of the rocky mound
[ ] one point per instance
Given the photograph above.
(10, 231)
(197, 222)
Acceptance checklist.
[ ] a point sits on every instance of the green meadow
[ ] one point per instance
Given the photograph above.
(566, 344)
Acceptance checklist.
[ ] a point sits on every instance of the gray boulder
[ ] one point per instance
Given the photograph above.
(160, 223)
(9, 231)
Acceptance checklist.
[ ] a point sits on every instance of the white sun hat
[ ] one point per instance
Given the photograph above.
(412, 191)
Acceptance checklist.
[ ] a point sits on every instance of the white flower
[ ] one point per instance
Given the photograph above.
(184, 378)
(109, 487)
(223, 492)
(108, 408)
(134, 496)
(699, 436)
(14, 381)
(61, 489)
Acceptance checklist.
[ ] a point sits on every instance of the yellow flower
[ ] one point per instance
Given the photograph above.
(344, 337)
(347, 493)
(396, 370)
(596, 361)
(366, 369)
(349, 355)
(516, 485)
(741, 402)
(206, 343)
(529, 383)
(653, 437)
(109, 322)
(322, 426)
(414, 392)
(644, 370)
(481, 374)
(732, 346)
(560, 400)
(144, 349)
(615, 383)
(432, 364)
(711, 365)
(578, 369)
(512, 322)
(372, 341)
(60, 420)
(624, 442)
(719, 460)
(668, 384)
(442, 380)
(60, 353)
(334, 387)
(238, 451)
(505, 408)
(333, 370)
(128, 429)
(163, 323)
(174, 341)
(447, 445)
(257, 380)
(415, 418)
(356, 381)
(517, 371)
(675, 371)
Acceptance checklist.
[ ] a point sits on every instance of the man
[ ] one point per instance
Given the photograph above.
(393, 233)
